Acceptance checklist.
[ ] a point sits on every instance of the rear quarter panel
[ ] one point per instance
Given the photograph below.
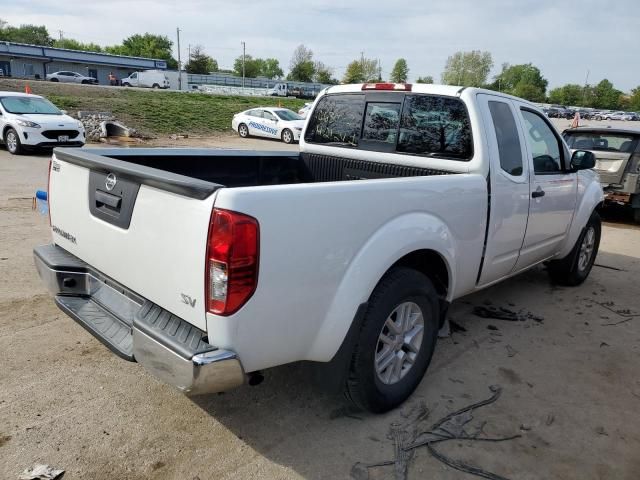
(324, 247)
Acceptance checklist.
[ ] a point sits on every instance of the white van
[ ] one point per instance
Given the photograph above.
(147, 79)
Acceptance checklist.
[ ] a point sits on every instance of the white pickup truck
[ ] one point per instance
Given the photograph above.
(207, 266)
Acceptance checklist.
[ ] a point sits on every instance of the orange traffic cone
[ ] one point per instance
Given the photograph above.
(27, 89)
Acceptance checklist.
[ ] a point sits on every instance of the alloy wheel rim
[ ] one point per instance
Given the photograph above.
(287, 137)
(243, 131)
(399, 343)
(12, 141)
(586, 249)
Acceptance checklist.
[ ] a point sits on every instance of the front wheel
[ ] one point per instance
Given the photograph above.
(396, 341)
(287, 136)
(575, 267)
(243, 130)
(12, 141)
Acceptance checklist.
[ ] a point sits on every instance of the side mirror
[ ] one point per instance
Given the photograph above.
(583, 160)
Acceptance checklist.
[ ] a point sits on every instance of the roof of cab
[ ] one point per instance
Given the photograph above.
(18, 94)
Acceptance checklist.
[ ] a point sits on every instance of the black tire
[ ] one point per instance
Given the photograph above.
(573, 270)
(125, 84)
(287, 136)
(243, 130)
(84, 82)
(12, 142)
(54, 79)
(364, 386)
(155, 85)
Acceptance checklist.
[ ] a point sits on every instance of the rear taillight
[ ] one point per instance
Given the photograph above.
(403, 87)
(232, 261)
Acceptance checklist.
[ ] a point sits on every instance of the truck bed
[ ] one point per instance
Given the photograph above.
(234, 168)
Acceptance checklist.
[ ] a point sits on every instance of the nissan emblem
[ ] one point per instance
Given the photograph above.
(111, 181)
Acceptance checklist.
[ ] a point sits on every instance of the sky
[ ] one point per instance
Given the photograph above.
(565, 39)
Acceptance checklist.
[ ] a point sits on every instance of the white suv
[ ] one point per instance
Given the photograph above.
(30, 121)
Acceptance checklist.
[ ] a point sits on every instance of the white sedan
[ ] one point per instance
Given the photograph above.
(30, 122)
(71, 77)
(269, 122)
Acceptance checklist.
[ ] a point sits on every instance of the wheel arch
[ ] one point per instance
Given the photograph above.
(428, 248)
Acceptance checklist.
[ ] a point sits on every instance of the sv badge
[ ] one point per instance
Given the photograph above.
(186, 299)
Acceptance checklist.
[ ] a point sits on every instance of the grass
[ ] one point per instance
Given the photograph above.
(152, 112)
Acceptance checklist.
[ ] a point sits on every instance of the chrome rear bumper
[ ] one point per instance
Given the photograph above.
(136, 329)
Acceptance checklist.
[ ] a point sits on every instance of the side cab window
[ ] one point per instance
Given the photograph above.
(545, 145)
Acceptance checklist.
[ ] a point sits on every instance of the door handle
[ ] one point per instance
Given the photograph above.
(538, 193)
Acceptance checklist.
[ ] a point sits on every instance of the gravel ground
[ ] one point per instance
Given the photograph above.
(570, 383)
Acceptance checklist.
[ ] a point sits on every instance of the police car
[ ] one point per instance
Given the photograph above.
(269, 122)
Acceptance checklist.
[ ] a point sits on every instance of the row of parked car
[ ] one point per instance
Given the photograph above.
(560, 111)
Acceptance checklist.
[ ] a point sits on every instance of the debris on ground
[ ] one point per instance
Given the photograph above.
(41, 472)
(502, 313)
(626, 313)
(407, 438)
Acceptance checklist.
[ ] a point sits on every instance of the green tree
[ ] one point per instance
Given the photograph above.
(634, 99)
(400, 72)
(252, 66)
(427, 79)
(569, 94)
(200, 62)
(147, 45)
(301, 68)
(354, 73)
(323, 73)
(271, 68)
(523, 81)
(469, 69)
(71, 44)
(605, 95)
(32, 34)
(363, 70)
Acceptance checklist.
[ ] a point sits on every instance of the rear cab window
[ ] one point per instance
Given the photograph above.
(415, 124)
(604, 142)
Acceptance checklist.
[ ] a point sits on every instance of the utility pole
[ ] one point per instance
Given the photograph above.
(60, 32)
(584, 90)
(244, 50)
(379, 71)
(189, 57)
(179, 63)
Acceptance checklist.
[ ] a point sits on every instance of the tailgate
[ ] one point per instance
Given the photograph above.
(143, 227)
(611, 166)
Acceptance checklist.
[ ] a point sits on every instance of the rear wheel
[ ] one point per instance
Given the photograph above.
(243, 130)
(54, 79)
(287, 136)
(155, 85)
(396, 341)
(12, 141)
(575, 267)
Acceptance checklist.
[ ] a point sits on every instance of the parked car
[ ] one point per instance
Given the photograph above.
(617, 154)
(71, 77)
(146, 79)
(278, 123)
(612, 116)
(206, 266)
(32, 122)
(631, 117)
(305, 109)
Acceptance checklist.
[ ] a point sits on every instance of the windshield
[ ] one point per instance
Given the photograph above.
(287, 115)
(25, 105)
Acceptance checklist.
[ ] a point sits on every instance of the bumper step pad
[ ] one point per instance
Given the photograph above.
(115, 334)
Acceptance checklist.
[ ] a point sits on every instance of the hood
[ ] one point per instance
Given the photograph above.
(50, 121)
(296, 123)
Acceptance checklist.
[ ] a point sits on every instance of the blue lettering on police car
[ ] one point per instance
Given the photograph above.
(271, 131)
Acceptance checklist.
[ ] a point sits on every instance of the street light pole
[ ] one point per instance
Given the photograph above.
(244, 45)
(179, 63)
